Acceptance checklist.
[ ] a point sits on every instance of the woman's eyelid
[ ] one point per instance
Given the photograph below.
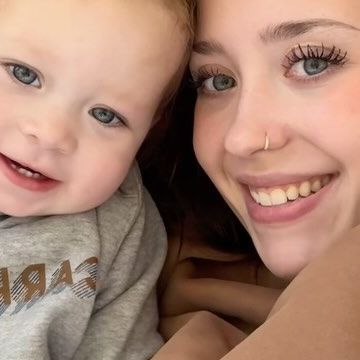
(304, 51)
(210, 70)
(207, 72)
(333, 56)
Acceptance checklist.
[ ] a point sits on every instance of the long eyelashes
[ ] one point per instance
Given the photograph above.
(303, 64)
(197, 78)
(333, 56)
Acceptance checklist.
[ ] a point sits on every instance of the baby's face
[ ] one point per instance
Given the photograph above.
(80, 82)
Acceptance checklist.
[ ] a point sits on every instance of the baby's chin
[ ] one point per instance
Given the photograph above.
(23, 213)
(19, 213)
(33, 211)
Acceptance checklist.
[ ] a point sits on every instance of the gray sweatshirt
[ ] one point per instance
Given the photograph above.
(82, 286)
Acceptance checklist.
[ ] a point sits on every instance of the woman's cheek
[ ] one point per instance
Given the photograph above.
(207, 138)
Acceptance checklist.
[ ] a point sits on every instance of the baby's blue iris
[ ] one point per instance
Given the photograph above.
(103, 115)
(24, 74)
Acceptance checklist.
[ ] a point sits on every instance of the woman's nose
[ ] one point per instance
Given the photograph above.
(256, 124)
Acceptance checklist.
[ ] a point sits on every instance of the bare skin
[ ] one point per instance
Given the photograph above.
(237, 287)
(318, 313)
(289, 72)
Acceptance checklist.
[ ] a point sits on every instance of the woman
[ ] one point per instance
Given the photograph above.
(276, 130)
(211, 259)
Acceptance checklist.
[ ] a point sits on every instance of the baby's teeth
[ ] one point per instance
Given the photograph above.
(305, 189)
(22, 171)
(316, 186)
(278, 197)
(265, 199)
(292, 192)
(25, 172)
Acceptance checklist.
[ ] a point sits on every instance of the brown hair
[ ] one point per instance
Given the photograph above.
(170, 171)
(185, 11)
(180, 187)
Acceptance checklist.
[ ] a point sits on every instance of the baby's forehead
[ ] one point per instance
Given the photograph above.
(4, 5)
(83, 46)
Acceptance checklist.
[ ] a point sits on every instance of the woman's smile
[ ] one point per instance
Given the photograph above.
(285, 203)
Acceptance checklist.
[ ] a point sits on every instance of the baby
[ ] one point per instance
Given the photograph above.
(81, 83)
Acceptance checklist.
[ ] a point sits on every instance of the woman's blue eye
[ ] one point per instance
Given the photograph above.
(106, 116)
(315, 66)
(219, 83)
(311, 62)
(24, 75)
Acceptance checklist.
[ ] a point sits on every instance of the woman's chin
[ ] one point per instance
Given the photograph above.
(286, 252)
(285, 266)
(285, 271)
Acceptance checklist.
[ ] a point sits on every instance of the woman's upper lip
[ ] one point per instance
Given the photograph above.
(275, 179)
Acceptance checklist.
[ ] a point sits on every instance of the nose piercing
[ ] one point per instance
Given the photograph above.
(267, 142)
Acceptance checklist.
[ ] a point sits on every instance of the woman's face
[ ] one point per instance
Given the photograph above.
(288, 70)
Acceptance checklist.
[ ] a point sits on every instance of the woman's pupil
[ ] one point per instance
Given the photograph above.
(315, 66)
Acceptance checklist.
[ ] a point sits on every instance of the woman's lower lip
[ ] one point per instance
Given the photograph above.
(22, 181)
(288, 212)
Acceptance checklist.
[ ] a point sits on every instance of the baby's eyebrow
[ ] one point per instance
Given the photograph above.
(290, 29)
(27, 46)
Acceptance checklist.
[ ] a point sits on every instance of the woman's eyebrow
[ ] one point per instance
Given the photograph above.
(290, 29)
(210, 47)
(273, 33)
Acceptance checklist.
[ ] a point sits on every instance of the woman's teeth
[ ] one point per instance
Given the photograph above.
(27, 173)
(281, 195)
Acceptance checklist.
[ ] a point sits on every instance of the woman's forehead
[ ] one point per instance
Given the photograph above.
(253, 12)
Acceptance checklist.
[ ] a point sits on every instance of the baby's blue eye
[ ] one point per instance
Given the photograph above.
(106, 116)
(24, 75)
(315, 66)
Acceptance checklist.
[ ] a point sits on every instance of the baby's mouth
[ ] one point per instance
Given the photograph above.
(25, 171)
